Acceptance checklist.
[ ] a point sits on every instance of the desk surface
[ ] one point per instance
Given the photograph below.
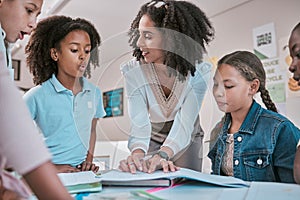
(197, 190)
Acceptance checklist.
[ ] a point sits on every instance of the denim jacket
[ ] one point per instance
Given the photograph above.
(264, 147)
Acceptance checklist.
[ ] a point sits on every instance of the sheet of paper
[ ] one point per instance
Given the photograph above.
(76, 178)
(274, 191)
(116, 175)
(200, 191)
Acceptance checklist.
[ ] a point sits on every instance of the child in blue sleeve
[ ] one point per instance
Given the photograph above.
(255, 144)
(64, 105)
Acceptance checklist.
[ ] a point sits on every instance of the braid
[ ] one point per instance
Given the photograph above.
(264, 93)
(186, 31)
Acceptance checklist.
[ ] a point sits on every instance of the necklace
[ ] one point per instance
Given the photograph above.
(165, 81)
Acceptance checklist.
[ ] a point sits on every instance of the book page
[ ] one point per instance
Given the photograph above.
(76, 178)
(116, 175)
(273, 190)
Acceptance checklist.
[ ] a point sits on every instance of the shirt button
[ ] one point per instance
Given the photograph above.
(236, 162)
(259, 161)
(239, 139)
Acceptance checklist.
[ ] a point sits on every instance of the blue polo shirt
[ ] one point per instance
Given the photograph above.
(65, 119)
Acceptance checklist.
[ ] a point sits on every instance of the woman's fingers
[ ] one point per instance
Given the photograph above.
(131, 163)
(145, 166)
(123, 166)
(136, 162)
(159, 163)
(165, 164)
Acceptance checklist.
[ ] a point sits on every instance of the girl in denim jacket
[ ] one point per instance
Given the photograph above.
(255, 144)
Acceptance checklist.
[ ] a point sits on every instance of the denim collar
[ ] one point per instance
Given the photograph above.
(249, 122)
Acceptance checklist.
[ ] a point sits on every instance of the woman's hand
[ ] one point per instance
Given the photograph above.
(156, 162)
(138, 161)
(134, 162)
(66, 169)
(88, 166)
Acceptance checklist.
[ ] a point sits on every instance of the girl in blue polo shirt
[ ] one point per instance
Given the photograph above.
(64, 105)
(254, 143)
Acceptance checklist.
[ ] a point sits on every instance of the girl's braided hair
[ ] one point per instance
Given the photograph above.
(250, 67)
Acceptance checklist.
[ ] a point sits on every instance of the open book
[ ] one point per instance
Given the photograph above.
(85, 181)
(159, 178)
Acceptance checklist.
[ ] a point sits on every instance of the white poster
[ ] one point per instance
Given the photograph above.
(275, 79)
(264, 41)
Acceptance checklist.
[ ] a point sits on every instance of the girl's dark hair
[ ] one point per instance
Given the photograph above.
(250, 67)
(185, 28)
(48, 34)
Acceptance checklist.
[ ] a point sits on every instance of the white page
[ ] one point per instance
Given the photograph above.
(116, 175)
(76, 178)
(273, 190)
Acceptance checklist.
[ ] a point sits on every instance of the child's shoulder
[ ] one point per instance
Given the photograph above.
(276, 116)
(36, 91)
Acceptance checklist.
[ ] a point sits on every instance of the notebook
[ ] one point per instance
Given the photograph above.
(159, 178)
(85, 181)
(160, 182)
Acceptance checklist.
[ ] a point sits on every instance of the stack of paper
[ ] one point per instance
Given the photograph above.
(85, 181)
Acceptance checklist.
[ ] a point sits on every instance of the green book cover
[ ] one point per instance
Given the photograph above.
(88, 187)
(85, 181)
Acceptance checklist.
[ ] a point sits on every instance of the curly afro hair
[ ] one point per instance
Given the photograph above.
(47, 35)
(186, 31)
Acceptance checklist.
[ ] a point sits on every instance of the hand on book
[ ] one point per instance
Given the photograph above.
(156, 162)
(66, 169)
(88, 166)
(138, 161)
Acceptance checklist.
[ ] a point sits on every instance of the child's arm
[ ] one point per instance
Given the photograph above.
(64, 168)
(90, 154)
(45, 184)
(88, 163)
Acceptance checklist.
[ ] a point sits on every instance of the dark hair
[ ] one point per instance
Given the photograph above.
(185, 28)
(250, 67)
(48, 34)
